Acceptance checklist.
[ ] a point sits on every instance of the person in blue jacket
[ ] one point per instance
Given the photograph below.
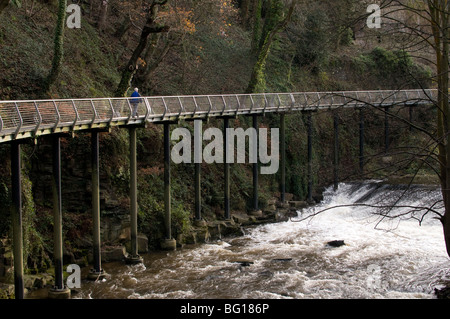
(135, 102)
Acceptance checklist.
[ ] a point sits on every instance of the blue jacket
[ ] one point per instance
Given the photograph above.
(135, 94)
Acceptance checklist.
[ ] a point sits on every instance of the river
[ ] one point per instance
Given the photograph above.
(382, 257)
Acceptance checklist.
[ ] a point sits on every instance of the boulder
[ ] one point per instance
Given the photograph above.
(336, 243)
(243, 263)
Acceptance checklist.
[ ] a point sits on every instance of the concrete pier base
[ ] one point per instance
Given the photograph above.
(56, 293)
(96, 275)
(169, 244)
(133, 259)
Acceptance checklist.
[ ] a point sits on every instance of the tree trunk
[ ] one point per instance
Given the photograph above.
(131, 67)
(102, 18)
(439, 26)
(444, 72)
(257, 7)
(244, 10)
(257, 83)
(58, 46)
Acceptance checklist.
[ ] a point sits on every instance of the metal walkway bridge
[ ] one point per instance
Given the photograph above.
(23, 120)
(28, 119)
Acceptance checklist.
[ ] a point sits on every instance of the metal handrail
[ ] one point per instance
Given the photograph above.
(77, 116)
(40, 118)
(196, 106)
(165, 108)
(238, 103)
(34, 120)
(57, 113)
(112, 111)
(20, 123)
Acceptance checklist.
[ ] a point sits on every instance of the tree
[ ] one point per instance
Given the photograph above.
(429, 29)
(420, 26)
(276, 21)
(151, 26)
(58, 53)
(439, 21)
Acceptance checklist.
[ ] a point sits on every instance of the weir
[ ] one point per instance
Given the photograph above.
(24, 120)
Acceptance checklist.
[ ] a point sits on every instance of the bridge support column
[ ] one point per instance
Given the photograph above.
(283, 157)
(361, 141)
(133, 257)
(386, 129)
(198, 169)
(96, 272)
(16, 216)
(255, 165)
(336, 150)
(227, 213)
(169, 243)
(59, 290)
(410, 109)
(310, 177)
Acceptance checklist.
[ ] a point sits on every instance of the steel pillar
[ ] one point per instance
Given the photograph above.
(133, 256)
(310, 182)
(361, 141)
(336, 150)
(167, 199)
(16, 217)
(386, 129)
(57, 213)
(198, 168)
(59, 290)
(283, 157)
(255, 165)
(410, 108)
(227, 214)
(169, 243)
(97, 270)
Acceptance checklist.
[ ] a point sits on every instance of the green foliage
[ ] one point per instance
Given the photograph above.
(34, 246)
(58, 50)
(17, 3)
(311, 43)
(345, 36)
(395, 68)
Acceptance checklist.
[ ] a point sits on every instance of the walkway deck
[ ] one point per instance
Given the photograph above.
(29, 119)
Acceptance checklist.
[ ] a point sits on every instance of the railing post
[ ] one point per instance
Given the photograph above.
(283, 157)
(16, 216)
(255, 165)
(133, 257)
(97, 271)
(227, 214)
(59, 290)
(169, 243)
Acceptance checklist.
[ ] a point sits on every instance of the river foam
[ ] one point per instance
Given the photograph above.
(382, 257)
